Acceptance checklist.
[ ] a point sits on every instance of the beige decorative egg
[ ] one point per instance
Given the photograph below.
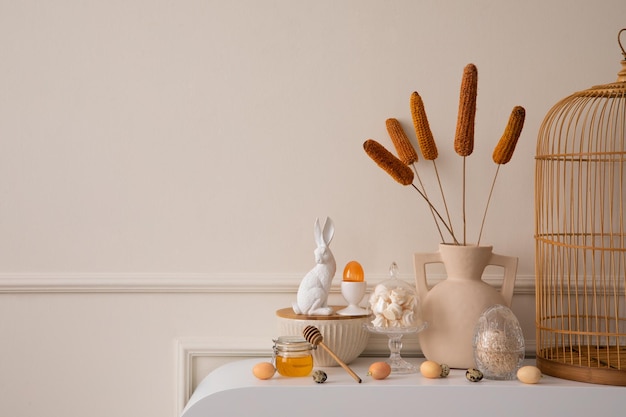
(529, 374)
(430, 369)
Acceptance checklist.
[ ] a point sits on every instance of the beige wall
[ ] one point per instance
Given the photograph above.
(162, 163)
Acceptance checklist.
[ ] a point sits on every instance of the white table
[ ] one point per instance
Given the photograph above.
(232, 390)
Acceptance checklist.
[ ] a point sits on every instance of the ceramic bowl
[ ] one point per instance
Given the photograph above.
(345, 336)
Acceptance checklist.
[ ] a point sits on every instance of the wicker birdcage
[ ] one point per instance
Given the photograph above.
(580, 235)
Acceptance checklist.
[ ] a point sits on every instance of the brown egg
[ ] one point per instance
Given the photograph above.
(379, 370)
(264, 370)
(430, 369)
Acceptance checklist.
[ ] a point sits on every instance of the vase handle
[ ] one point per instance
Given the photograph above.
(509, 263)
(420, 260)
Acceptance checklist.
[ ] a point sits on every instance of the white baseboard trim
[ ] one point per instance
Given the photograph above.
(189, 283)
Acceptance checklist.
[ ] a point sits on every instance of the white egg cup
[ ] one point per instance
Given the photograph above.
(353, 292)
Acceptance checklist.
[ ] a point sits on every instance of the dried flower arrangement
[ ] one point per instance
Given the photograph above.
(403, 167)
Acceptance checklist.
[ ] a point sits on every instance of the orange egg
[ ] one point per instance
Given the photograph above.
(430, 369)
(379, 370)
(353, 272)
(264, 370)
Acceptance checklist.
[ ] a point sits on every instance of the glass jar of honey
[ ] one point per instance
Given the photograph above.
(292, 356)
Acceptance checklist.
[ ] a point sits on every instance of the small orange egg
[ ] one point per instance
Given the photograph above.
(353, 272)
(264, 370)
(430, 369)
(379, 370)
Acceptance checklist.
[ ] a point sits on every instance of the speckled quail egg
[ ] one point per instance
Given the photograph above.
(319, 376)
(473, 375)
(445, 370)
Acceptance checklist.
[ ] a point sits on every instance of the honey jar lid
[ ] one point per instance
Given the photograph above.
(291, 344)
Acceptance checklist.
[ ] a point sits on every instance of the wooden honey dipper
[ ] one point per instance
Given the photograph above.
(313, 335)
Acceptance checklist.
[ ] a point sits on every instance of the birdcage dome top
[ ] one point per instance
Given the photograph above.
(617, 88)
(588, 125)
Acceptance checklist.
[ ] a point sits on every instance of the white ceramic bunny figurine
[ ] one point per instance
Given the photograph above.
(313, 291)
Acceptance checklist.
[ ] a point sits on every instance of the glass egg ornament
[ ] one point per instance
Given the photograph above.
(498, 343)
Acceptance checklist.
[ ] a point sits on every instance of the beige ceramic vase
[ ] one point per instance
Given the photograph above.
(453, 306)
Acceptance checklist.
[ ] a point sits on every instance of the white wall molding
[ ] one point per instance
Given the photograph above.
(145, 283)
(188, 350)
(189, 282)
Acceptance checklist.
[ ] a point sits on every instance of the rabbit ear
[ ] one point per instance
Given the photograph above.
(329, 231)
(317, 232)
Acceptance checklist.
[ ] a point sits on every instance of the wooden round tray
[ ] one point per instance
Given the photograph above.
(288, 313)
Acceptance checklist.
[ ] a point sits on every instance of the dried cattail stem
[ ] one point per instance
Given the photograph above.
(389, 162)
(423, 191)
(464, 138)
(404, 148)
(506, 146)
(504, 151)
(436, 212)
(424, 135)
(443, 198)
(427, 144)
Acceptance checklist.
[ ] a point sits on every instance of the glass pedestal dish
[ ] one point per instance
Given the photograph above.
(396, 312)
(397, 363)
